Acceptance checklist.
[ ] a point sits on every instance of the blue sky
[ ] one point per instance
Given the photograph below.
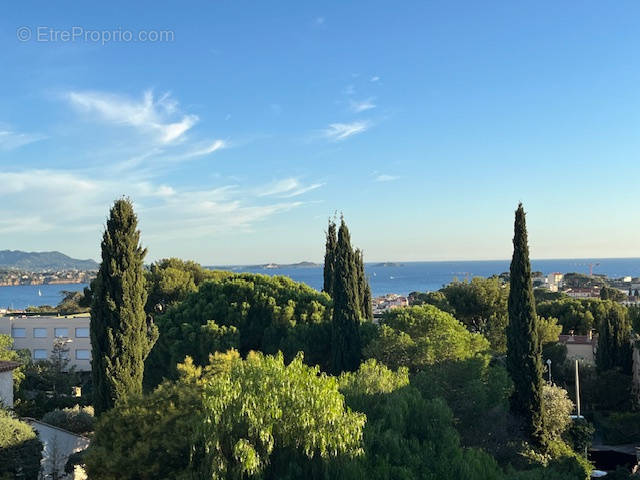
(248, 124)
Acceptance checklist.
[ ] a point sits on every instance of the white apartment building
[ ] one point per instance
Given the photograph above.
(38, 334)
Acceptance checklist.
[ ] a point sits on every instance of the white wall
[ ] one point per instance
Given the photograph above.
(58, 445)
(6, 389)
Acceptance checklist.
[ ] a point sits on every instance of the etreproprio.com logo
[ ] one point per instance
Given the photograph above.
(45, 34)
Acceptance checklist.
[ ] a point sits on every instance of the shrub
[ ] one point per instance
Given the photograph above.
(76, 419)
(556, 412)
(20, 448)
(619, 427)
(579, 435)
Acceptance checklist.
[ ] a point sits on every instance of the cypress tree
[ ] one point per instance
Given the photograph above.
(121, 338)
(329, 258)
(614, 337)
(364, 290)
(345, 341)
(524, 361)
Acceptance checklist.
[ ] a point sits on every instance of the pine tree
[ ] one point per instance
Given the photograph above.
(345, 341)
(364, 290)
(614, 337)
(330, 258)
(524, 361)
(121, 338)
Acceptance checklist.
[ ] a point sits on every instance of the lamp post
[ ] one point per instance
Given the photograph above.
(549, 369)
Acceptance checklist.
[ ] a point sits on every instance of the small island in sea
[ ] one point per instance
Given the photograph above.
(389, 264)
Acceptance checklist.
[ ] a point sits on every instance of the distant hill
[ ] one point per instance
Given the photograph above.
(41, 261)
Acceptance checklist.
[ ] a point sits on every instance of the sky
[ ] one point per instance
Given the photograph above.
(238, 128)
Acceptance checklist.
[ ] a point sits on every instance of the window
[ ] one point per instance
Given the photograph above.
(61, 332)
(39, 333)
(82, 332)
(82, 354)
(18, 332)
(39, 354)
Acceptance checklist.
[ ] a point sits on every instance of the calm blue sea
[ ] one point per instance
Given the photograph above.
(22, 296)
(404, 278)
(401, 278)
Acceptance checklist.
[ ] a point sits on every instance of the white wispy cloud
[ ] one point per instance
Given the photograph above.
(385, 178)
(362, 105)
(374, 79)
(79, 202)
(160, 116)
(10, 140)
(287, 188)
(209, 149)
(342, 131)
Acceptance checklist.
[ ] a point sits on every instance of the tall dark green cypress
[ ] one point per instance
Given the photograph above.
(524, 361)
(330, 258)
(345, 341)
(614, 340)
(364, 290)
(121, 337)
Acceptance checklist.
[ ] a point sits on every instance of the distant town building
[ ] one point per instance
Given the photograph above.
(580, 347)
(592, 292)
(6, 383)
(387, 302)
(38, 334)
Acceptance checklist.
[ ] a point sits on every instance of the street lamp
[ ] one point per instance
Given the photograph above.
(549, 368)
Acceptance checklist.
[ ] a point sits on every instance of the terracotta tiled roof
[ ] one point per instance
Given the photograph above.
(8, 366)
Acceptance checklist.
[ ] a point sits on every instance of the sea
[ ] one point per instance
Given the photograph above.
(390, 277)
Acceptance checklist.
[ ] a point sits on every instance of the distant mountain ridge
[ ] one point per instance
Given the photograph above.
(42, 261)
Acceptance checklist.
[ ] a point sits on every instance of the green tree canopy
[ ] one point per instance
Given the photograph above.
(253, 418)
(121, 338)
(481, 305)
(406, 436)
(247, 312)
(8, 354)
(169, 281)
(20, 449)
(347, 307)
(420, 336)
(614, 340)
(524, 361)
(577, 315)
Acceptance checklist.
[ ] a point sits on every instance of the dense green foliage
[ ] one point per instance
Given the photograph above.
(614, 340)
(608, 293)
(481, 305)
(579, 435)
(246, 312)
(577, 315)
(407, 436)
(523, 347)
(331, 246)
(477, 391)
(557, 408)
(47, 384)
(253, 418)
(121, 338)
(170, 281)
(619, 427)
(76, 419)
(9, 355)
(20, 449)
(364, 290)
(347, 307)
(420, 336)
